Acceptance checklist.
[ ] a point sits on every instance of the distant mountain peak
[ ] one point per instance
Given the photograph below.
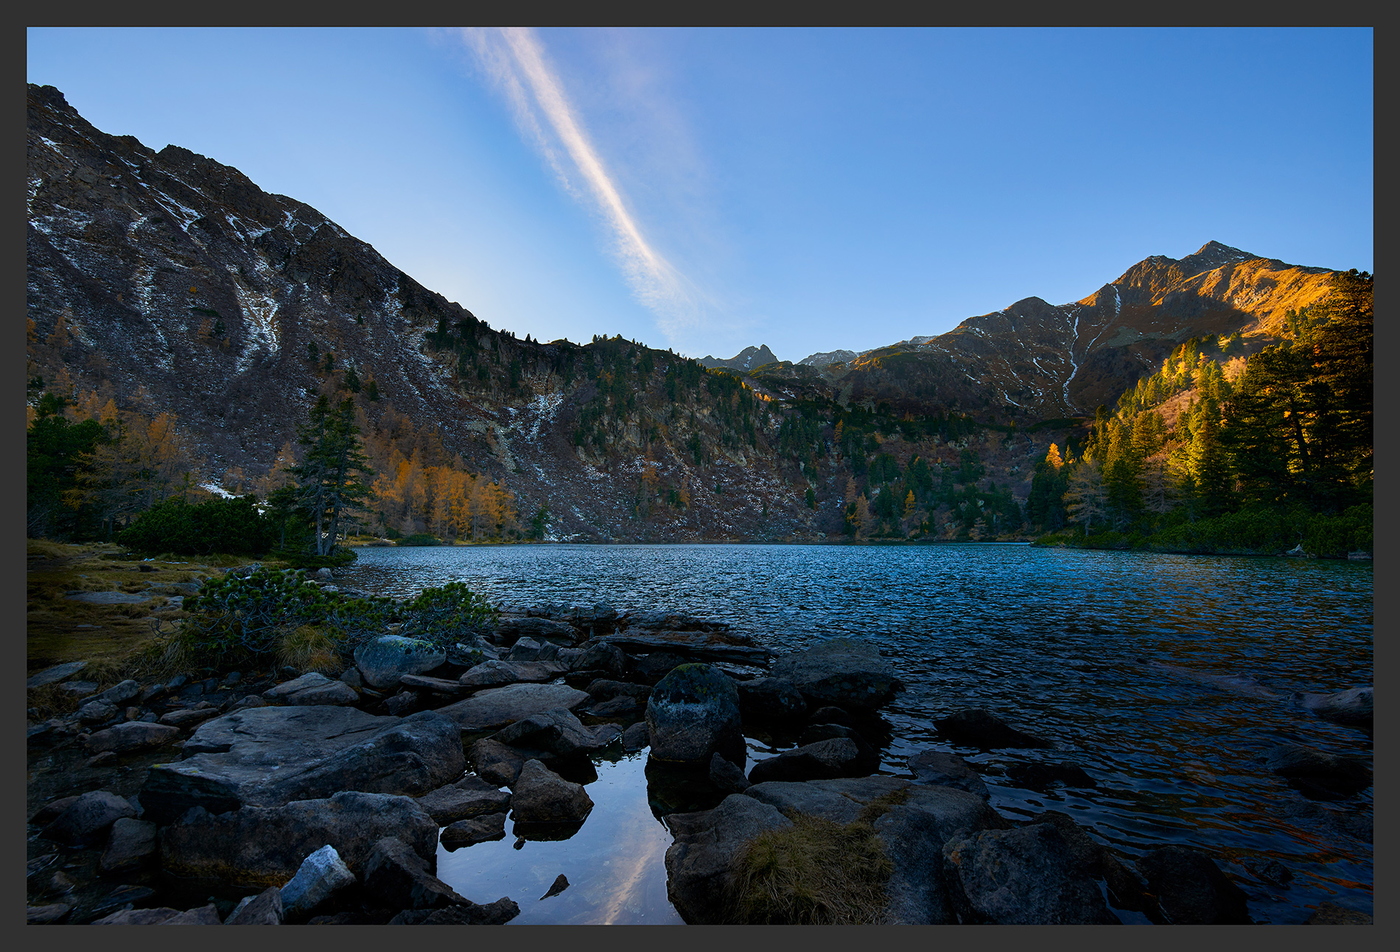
(746, 359)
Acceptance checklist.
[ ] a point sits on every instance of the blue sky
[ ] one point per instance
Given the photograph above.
(811, 189)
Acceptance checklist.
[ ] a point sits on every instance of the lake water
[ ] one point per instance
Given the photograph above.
(1165, 677)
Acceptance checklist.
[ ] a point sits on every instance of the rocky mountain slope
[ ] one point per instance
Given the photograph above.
(168, 282)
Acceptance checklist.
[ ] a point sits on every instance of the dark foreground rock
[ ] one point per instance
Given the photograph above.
(494, 708)
(692, 714)
(1192, 889)
(1029, 875)
(841, 671)
(269, 756)
(256, 847)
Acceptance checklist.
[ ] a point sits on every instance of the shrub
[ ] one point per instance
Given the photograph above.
(419, 538)
(232, 526)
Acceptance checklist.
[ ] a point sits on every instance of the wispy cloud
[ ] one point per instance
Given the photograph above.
(516, 61)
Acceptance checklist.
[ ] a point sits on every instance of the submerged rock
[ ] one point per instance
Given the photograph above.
(1192, 889)
(977, 727)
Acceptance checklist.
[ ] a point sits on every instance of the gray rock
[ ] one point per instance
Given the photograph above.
(496, 913)
(597, 656)
(1192, 889)
(130, 736)
(491, 674)
(96, 711)
(469, 797)
(396, 876)
(86, 821)
(636, 737)
(264, 909)
(319, 877)
(312, 688)
(823, 760)
(441, 686)
(138, 917)
(977, 727)
(187, 718)
(841, 671)
(131, 845)
(477, 829)
(1355, 707)
(1326, 776)
(47, 915)
(108, 598)
(948, 770)
(55, 674)
(496, 707)
(201, 916)
(256, 847)
(771, 699)
(727, 777)
(1024, 876)
(539, 630)
(49, 812)
(496, 762)
(541, 796)
(122, 693)
(273, 755)
(558, 733)
(1331, 914)
(700, 863)
(383, 660)
(693, 713)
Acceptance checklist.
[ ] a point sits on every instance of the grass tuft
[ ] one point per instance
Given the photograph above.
(815, 872)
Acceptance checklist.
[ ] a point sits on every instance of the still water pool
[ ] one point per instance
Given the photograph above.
(1166, 678)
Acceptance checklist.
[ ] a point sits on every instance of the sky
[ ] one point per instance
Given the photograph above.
(812, 189)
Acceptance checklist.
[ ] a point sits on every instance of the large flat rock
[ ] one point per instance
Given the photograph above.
(268, 756)
(497, 707)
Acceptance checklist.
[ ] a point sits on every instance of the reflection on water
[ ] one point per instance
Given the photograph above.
(615, 863)
(1166, 678)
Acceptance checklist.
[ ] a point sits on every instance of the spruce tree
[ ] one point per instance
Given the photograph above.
(328, 479)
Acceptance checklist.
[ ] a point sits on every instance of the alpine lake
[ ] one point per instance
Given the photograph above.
(1166, 678)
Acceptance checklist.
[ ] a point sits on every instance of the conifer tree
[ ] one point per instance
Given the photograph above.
(328, 479)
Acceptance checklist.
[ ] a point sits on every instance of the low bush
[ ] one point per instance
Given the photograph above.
(231, 526)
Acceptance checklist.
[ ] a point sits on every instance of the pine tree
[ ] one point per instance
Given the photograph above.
(328, 480)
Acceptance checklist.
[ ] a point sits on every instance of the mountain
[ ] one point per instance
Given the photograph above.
(168, 283)
(1033, 360)
(830, 357)
(747, 359)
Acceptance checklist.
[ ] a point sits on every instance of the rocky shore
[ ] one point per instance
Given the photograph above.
(311, 798)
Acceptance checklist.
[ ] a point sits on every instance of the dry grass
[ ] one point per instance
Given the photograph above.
(309, 648)
(815, 872)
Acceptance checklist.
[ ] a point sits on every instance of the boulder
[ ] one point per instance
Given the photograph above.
(542, 797)
(1191, 889)
(653, 666)
(86, 821)
(131, 846)
(312, 688)
(138, 917)
(47, 915)
(130, 736)
(187, 718)
(264, 909)
(491, 674)
(700, 863)
(822, 760)
(496, 707)
(477, 829)
(1028, 875)
(771, 699)
(496, 913)
(319, 877)
(1331, 914)
(636, 737)
(469, 797)
(1355, 707)
(597, 656)
(948, 770)
(727, 777)
(53, 675)
(496, 762)
(269, 756)
(693, 713)
(845, 672)
(528, 650)
(977, 727)
(557, 733)
(1317, 774)
(511, 629)
(1041, 776)
(383, 660)
(441, 686)
(397, 877)
(256, 847)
